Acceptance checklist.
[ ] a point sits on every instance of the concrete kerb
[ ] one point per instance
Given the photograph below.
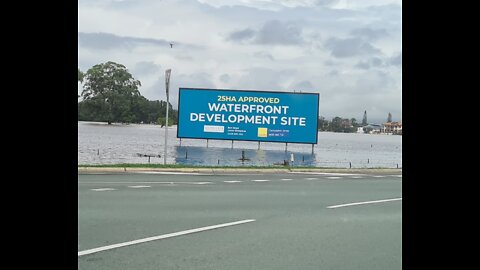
(87, 170)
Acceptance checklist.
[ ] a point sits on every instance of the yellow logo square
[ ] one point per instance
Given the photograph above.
(262, 132)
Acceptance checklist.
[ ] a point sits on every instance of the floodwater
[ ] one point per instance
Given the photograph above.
(99, 143)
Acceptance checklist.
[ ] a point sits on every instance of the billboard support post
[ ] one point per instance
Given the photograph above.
(258, 145)
(232, 144)
(312, 148)
(167, 83)
(286, 145)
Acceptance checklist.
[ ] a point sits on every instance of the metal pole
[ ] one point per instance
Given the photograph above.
(167, 83)
(258, 145)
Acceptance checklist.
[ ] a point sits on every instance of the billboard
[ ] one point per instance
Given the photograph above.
(243, 115)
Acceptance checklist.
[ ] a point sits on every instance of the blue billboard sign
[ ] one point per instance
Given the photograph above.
(247, 115)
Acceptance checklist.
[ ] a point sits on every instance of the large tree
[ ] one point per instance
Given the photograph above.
(112, 90)
(80, 76)
(364, 120)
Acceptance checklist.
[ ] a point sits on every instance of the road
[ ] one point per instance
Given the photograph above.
(288, 221)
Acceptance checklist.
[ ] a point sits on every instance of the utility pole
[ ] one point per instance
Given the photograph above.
(167, 83)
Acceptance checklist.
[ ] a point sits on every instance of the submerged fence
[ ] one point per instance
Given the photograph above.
(200, 156)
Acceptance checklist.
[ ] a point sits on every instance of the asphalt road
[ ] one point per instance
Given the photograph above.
(293, 227)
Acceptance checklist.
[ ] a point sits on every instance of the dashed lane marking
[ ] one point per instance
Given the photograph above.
(359, 203)
(139, 186)
(102, 189)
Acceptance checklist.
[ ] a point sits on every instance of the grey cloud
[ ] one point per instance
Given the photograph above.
(362, 65)
(349, 47)
(303, 86)
(195, 80)
(273, 32)
(396, 60)
(241, 35)
(333, 73)
(225, 78)
(373, 82)
(145, 67)
(376, 62)
(373, 90)
(265, 79)
(325, 2)
(329, 63)
(390, 12)
(369, 34)
(183, 57)
(264, 55)
(277, 32)
(105, 41)
(200, 80)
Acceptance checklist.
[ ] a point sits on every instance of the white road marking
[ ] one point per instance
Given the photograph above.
(102, 189)
(201, 183)
(139, 186)
(334, 177)
(325, 173)
(234, 174)
(310, 178)
(378, 176)
(182, 173)
(149, 182)
(159, 237)
(233, 181)
(260, 180)
(359, 203)
(396, 175)
(286, 179)
(356, 177)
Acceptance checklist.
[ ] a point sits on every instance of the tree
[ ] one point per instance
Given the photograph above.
(354, 122)
(111, 89)
(323, 124)
(389, 119)
(364, 121)
(80, 76)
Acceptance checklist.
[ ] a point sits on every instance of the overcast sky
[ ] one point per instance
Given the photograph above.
(349, 51)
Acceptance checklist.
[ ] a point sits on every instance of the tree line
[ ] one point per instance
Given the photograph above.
(338, 124)
(110, 94)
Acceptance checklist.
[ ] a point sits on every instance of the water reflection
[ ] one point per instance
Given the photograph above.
(197, 155)
(99, 143)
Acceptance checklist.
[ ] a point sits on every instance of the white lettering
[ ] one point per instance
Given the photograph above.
(193, 117)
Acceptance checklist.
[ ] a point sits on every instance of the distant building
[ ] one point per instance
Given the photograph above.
(346, 123)
(393, 128)
(371, 129)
